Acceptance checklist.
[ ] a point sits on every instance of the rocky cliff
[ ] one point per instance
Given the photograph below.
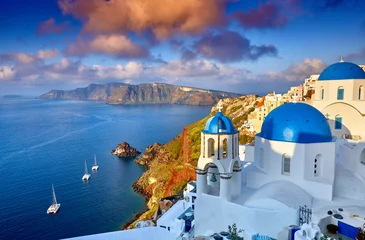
(155, 93)
(172, 165)
(125, 150)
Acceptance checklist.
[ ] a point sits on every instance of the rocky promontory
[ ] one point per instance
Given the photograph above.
(125, 150)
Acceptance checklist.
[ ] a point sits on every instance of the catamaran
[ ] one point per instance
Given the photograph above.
(86, 174)
(95, 167)
(55, 206)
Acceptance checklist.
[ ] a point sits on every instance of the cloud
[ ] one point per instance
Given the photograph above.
(6, 73)
(229, 46)
(49, 26)
(47, 54)
(356, 56)
(298, 71)
(267, 15)
(25, 58)
(163, 18)
(187, 54)
(196, 72)
(116, 45)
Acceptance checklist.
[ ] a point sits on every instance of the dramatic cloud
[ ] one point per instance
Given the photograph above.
(115, 45)
(356, 56)
(229, 46)
(162, 17)
(49, 27)
(267, 15)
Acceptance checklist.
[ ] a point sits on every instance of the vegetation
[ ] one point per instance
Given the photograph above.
(234, 233)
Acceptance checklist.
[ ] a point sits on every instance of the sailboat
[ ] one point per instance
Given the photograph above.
(95, 167)
(86, 174)
(55, 206)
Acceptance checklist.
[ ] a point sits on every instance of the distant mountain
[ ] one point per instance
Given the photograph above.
(154, 93)
(12, 96)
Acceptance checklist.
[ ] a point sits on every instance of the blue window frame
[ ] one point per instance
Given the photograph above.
(322, 94)
(340, 93)
(338, 123)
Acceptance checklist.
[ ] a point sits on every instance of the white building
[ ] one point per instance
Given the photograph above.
(294, 161)
(340, 96)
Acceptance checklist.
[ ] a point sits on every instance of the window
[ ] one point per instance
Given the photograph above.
(322, 93)
(285, 165)
(225, 148)
(361, 93)
(317, 167)
(194, 199)
(340, 93)
(338, 122)
(211, 147)
(261, 158)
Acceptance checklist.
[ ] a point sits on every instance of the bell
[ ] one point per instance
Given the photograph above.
(213, 179)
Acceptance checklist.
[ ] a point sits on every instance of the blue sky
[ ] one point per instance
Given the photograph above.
(241, 46)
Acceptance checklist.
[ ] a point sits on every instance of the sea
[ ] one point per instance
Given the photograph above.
(45, 142)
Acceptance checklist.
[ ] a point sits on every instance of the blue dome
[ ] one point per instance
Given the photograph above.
(219, 124)
(342, 70)
(296, 122)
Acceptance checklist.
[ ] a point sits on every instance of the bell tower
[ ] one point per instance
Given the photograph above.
(219, 167)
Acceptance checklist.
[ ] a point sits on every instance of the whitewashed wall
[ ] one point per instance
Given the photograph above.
(301, 166)
(214, 214)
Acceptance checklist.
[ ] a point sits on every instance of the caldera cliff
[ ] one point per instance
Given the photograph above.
(154, 93)
(172, 165)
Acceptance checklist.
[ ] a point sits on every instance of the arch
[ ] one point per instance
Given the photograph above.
(338, 122)
(317, 166)
(361, 93)
(285, 164)
(335, 103)
(225, 148)
(340, 93)
(211, 147)
(234, 164)
(362, 157)
(261, 158)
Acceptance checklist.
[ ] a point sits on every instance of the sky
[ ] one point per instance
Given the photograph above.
(242, 46)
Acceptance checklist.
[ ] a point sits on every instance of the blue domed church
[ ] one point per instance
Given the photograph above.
(295, 144)
(340, 96)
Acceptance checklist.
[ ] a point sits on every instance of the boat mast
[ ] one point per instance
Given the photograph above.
(85, 167)
(54, 195)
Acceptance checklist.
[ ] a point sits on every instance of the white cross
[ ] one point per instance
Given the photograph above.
(327, 116)
(220, 107)
(342, 60)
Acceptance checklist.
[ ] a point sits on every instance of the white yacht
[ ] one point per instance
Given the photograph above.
(95, 167)
(86, 174)
(55, 206)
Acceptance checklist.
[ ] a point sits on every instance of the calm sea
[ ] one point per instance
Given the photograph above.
(44, 142)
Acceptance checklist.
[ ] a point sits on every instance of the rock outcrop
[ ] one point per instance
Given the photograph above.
(125, 150)
(153, 93)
